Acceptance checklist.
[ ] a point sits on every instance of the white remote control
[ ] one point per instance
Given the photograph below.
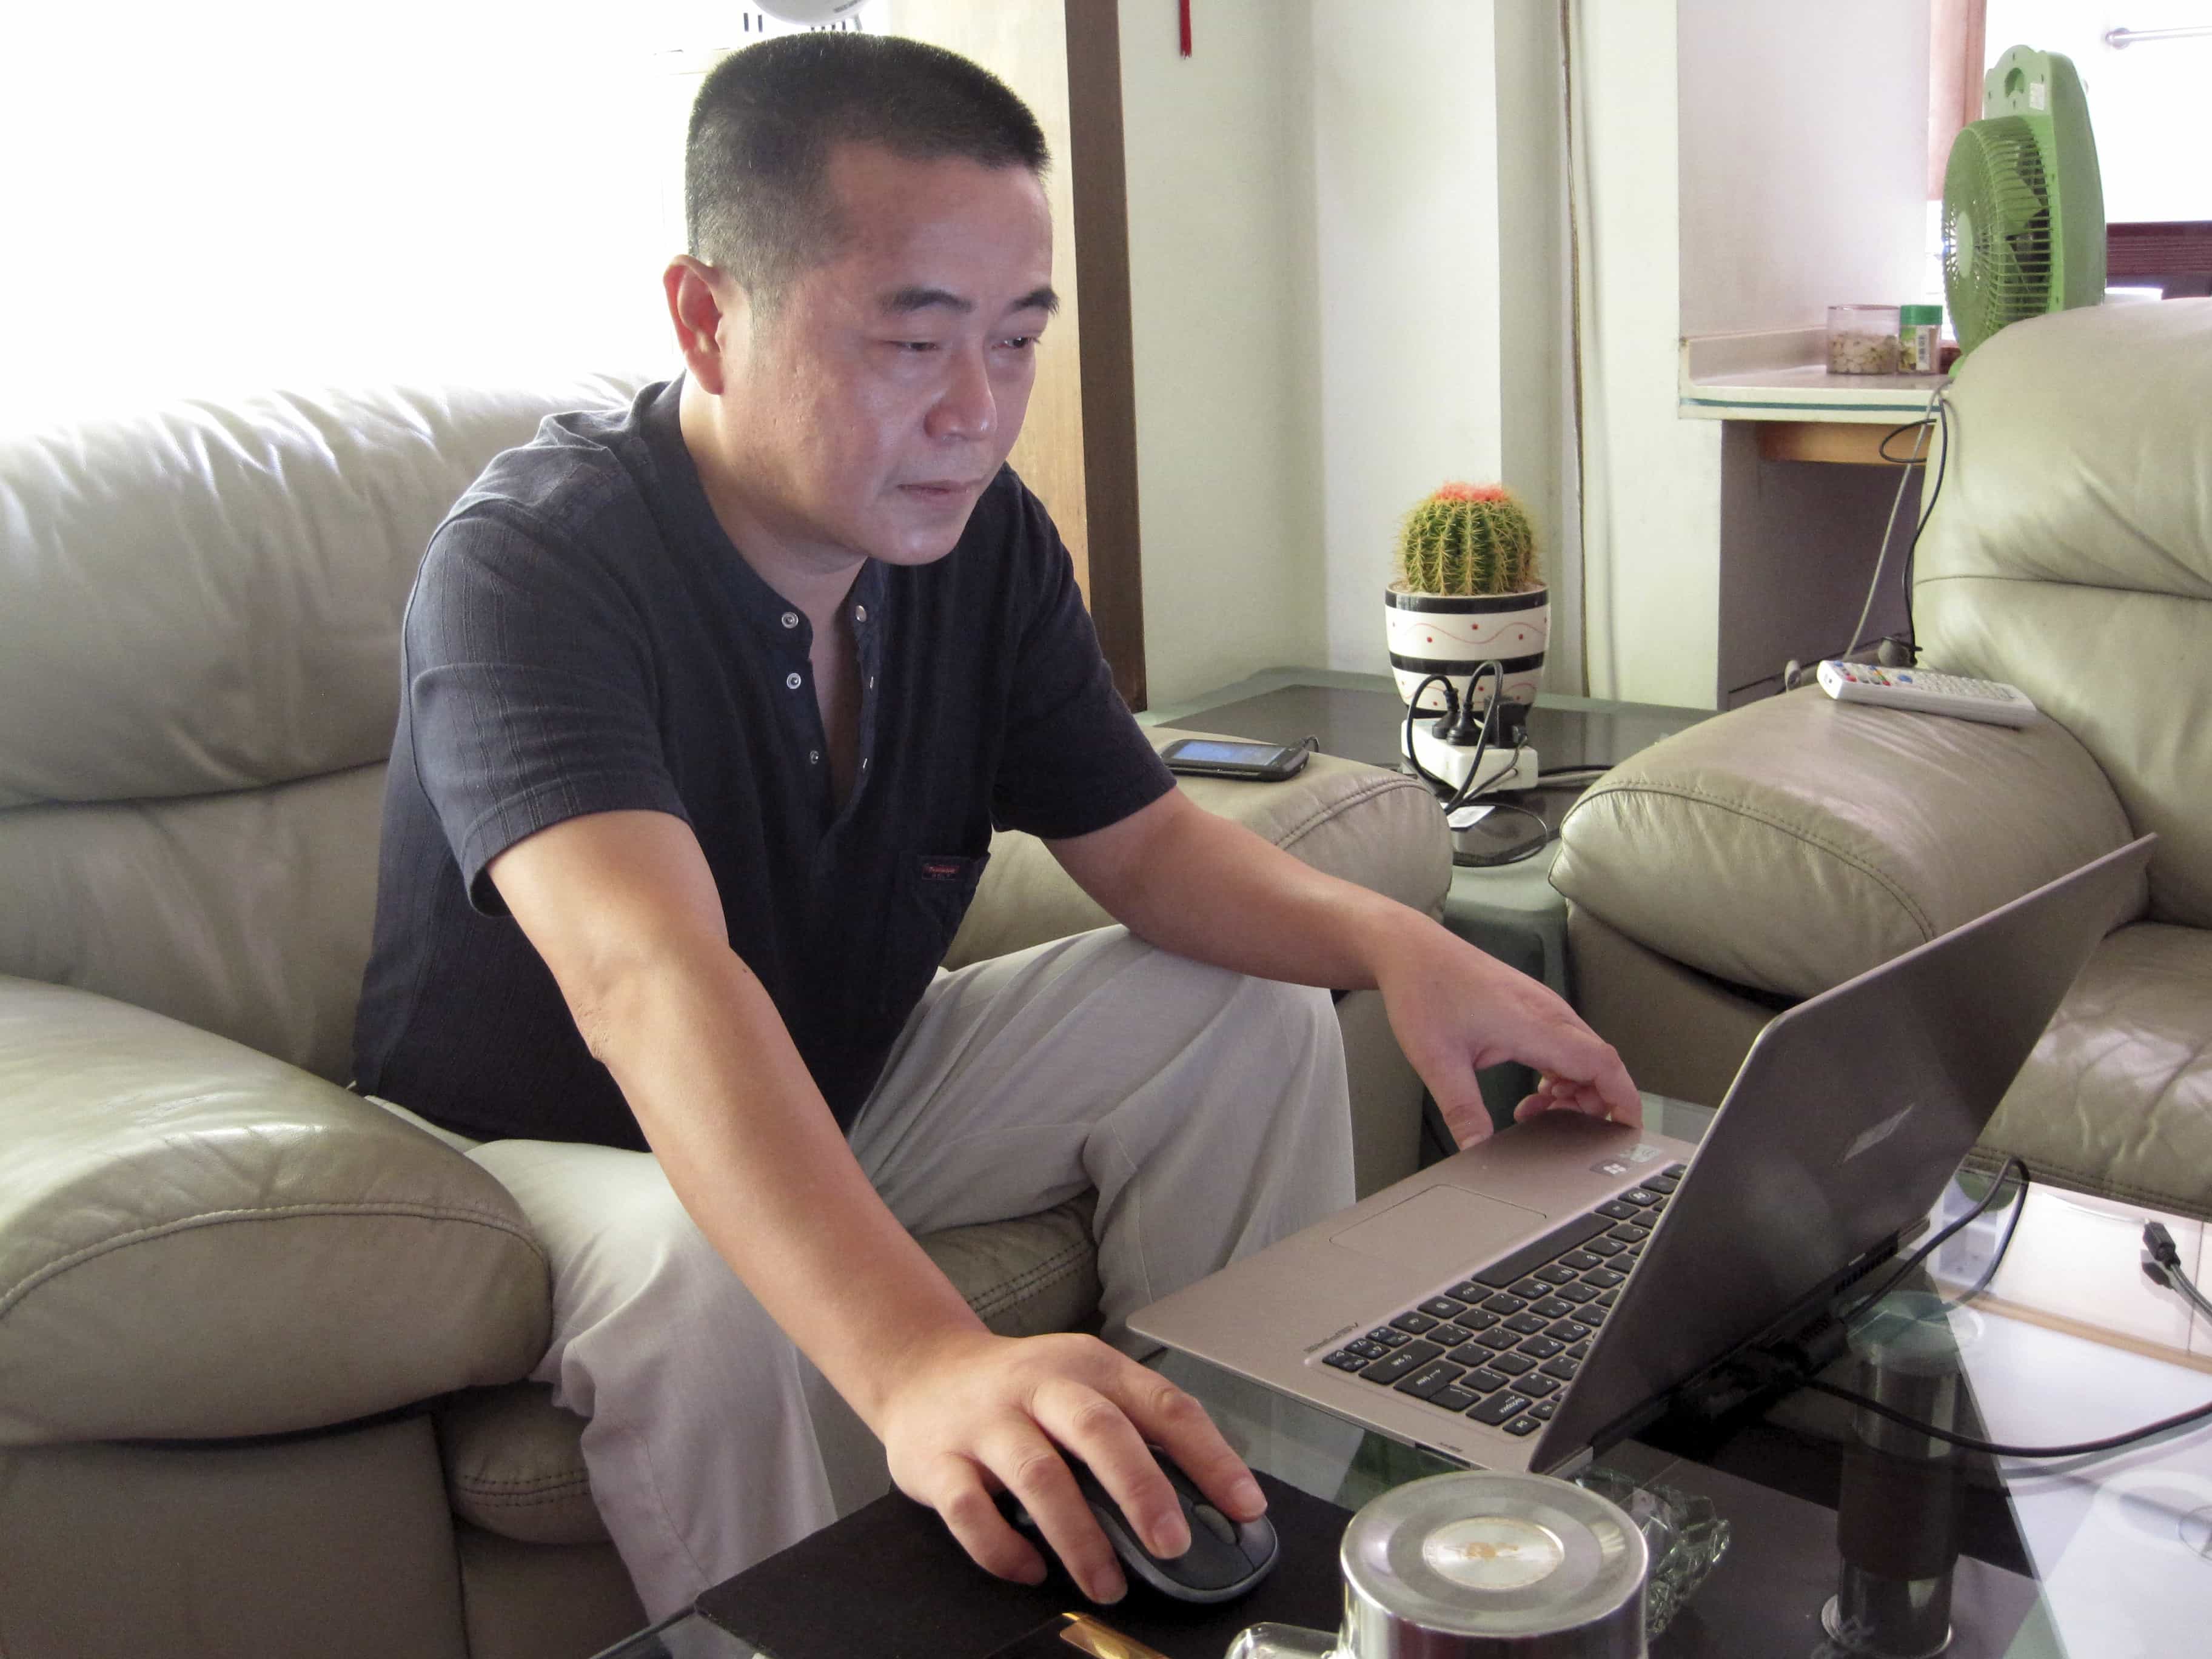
(1927, 693)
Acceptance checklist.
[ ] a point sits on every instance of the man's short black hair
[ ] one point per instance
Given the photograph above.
(756, 161)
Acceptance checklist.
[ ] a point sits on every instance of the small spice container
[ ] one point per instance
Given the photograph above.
(1919, 338)
(1862, 339)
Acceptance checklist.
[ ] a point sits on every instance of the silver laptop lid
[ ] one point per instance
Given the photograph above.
(1847, 1117)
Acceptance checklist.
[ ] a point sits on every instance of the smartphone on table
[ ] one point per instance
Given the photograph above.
(1228, 757)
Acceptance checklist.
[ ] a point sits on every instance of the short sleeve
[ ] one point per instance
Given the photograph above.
(1074, 758)
(531, 697)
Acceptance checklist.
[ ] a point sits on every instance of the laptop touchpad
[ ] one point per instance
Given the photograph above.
(1441, 1230)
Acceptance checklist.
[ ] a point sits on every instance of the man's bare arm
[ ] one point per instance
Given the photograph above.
(623, 909)
(1206, 888)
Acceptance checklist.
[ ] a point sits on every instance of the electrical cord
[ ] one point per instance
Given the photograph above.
(1889, 528)
(1939, 415)
(1927, 510)
(2162, 1265)
(1944, 1236)
(1997, 1449)
(1459, 713)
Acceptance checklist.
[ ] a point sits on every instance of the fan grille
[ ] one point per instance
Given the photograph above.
(1997, 249)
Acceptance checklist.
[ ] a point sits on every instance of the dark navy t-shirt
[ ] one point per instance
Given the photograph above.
(584, 638)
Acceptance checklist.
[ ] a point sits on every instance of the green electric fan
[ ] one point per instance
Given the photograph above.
(2023, 202)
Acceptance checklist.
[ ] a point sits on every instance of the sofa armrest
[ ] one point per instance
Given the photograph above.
(1792, 843)
(1378, 828)
(198, 1241)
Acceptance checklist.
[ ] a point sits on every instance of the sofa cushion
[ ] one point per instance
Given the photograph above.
(1793, 843)
(245, 914)
(515, 1463)
(2070, 554)
(1379, 829)
(218, 587)
(2116, 1098)
(198, 1241)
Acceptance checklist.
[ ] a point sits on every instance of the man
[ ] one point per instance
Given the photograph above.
(710, 708)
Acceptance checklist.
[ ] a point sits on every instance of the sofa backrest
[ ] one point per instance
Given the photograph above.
(199, 623)
(2070, 554)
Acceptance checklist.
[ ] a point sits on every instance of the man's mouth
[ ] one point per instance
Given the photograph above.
(941, 489)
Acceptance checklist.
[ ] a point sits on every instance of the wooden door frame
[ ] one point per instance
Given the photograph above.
(1099, 174)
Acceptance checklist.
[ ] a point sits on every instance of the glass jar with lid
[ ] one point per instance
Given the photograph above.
(1862, 339)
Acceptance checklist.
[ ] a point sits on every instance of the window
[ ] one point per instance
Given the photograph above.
(204, 199)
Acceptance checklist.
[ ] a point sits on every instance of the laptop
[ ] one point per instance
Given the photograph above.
(1533, 1298)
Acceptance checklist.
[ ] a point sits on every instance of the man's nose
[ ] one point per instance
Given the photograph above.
(967, 408)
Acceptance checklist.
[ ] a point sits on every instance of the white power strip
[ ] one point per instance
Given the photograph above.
(1502, 769)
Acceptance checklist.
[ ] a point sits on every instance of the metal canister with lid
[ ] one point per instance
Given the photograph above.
(1481, 1566)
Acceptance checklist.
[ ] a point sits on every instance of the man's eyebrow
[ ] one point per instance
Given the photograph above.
(906, 301)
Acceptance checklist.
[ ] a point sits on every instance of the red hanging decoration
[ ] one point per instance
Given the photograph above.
(1183, 10)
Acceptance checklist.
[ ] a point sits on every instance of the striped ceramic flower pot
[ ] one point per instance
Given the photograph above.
(1455, 635)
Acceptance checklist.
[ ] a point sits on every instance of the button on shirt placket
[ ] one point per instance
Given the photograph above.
(867, 639)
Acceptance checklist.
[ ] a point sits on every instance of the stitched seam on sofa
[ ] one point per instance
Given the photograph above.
(1329, 810)
(2061, 582)
(1045, 1274)
(1366, 791)
(281, 1212)
(566, 1494)
(2095, 1180)
(1905, 902)
(494, 1487)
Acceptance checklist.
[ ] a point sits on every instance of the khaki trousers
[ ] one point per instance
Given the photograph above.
(1207, 1109)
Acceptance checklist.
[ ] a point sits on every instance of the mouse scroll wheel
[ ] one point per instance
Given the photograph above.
(1214, 1522)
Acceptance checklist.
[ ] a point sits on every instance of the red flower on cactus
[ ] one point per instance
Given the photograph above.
(1467, 492)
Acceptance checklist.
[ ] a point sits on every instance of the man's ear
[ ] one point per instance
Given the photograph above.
(700, 299)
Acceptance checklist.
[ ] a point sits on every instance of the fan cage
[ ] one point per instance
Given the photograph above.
(1999, 251)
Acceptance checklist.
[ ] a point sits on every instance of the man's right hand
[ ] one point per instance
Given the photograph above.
(973, 1415)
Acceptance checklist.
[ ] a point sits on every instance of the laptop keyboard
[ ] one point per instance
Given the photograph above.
(1500, 1345)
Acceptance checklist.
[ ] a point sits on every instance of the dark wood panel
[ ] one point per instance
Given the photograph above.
(1109, 388)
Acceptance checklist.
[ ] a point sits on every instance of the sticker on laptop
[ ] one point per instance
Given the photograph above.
(1621, 1164)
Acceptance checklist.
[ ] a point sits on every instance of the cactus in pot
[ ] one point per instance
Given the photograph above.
(1468, 538)
(1467, 592)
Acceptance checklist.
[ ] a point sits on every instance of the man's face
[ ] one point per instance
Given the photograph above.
(878, 399)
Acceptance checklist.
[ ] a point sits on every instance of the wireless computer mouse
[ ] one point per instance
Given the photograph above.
(1225, 1558)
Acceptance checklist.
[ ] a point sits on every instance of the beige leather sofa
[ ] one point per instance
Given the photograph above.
(1770, 853)
(259, 1340)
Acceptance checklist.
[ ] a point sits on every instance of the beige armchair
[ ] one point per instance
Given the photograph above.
(1769, 853)
(259, 1338)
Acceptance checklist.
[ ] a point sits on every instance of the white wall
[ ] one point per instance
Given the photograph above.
(1221, 296)
(1804, 160)
(1312, 211)
(1651, 511)
(1406, 179)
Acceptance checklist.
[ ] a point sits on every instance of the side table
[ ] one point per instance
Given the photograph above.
(1510, 911)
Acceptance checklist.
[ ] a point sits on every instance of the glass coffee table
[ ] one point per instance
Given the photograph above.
(2095, 1557)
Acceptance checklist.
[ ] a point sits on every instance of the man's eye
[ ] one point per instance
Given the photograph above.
(1019, 341)
(915, 345)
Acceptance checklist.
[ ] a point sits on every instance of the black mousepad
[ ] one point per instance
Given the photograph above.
(888, 1582)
